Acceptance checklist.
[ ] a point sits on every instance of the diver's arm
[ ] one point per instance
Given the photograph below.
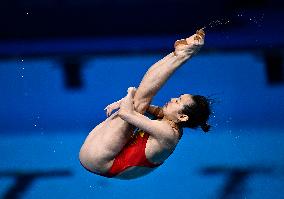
(155, 111)
(152, 110)
(154, 127)
(154, 79)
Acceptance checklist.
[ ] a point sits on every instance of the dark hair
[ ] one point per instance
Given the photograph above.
(198, 113)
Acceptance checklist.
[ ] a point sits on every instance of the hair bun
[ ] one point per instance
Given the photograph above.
(205, 127)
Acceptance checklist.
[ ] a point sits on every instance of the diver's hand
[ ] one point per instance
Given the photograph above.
(191, 45)
(113, 106)
(127, 104)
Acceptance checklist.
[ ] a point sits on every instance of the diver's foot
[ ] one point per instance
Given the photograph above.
(190, 45)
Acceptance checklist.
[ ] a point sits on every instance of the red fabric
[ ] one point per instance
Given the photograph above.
(133, 154)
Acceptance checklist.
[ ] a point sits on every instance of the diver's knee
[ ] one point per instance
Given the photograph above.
(90, 160)
(84, 156)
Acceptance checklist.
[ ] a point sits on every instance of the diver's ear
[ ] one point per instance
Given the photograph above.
(183, 117)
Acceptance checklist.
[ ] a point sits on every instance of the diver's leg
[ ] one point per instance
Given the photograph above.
(107, 139)
(119, 131)
(159, 73)
(155, 78)
(104, 142)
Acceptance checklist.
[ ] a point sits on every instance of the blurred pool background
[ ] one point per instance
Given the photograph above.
(54, 89)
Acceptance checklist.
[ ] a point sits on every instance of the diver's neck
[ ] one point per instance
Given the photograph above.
(174, 125)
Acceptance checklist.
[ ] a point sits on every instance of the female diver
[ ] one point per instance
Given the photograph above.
(128, 144)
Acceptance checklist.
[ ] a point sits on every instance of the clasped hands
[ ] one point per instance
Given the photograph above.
(125, 103)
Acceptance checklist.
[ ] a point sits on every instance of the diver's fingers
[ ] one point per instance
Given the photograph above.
(109, 112)
(131, 92)
(108, 106)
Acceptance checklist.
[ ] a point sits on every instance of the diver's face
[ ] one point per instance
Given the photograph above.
(174, 107)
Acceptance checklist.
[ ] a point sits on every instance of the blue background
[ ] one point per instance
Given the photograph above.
(43, 125)
(44, 119)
